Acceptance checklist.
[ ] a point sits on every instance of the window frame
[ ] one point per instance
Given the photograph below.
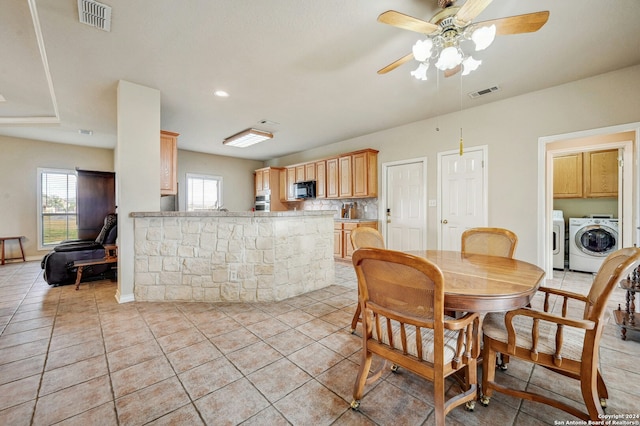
(204, 176)
(40, 227)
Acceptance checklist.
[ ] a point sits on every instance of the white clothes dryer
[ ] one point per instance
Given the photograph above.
(590, 241)
(557, 239)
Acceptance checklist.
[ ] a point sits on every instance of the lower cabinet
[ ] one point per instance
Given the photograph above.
(342, 247)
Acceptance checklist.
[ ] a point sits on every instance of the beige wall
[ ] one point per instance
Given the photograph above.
(238, 184)
(19, 163)
(511, 129)
(21, 158)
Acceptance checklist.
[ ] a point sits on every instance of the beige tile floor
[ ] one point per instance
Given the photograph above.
(79, 358)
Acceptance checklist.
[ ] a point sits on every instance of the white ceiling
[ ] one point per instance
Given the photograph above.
(308, 65)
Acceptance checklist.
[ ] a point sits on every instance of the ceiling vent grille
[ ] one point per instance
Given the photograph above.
(482, 92)
(95, 14)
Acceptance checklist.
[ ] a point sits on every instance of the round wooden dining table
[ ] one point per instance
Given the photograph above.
(480, 283)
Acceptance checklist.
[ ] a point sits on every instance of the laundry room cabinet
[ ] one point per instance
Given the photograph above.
(586, 175)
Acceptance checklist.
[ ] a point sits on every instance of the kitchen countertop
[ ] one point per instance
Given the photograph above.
(355, 220)
(215, 213)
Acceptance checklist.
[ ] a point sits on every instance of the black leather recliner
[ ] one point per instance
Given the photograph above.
(58, 264)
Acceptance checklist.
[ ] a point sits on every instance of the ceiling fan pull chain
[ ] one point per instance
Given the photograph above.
(461, 143)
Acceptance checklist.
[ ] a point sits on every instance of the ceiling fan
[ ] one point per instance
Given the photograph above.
(448, 28)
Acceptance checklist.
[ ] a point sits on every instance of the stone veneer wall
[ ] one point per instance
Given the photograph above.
(194, 256)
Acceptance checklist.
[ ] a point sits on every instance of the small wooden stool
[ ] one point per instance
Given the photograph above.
(2, 242)
(110, 256)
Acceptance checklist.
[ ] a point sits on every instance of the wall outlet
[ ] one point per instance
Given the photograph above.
(233, 275)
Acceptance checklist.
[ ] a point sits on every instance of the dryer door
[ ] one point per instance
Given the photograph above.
(597, 240)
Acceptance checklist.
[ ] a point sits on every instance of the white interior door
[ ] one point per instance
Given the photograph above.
(405, 218)
(462, 193)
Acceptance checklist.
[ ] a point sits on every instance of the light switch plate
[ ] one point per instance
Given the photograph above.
(432, 203)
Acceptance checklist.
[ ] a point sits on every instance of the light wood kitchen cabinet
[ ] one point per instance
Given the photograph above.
(600, 173)
(321, 179)
(310, 171)
(365, 174)
(342, 247)
(268, 181)
(586, 175)
(337, 239)
(291, 180)
(300, 173)
(168, 162)
(351, 175)
(332, 178)
(345, 177)
(567, 176)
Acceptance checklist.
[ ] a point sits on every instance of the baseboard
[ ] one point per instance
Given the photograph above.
(124, 298)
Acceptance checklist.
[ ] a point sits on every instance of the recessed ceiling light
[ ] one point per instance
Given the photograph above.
(85, 132)
(221, 94)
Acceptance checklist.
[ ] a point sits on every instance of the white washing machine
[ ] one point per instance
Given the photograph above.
(557, 240)
(590, 241)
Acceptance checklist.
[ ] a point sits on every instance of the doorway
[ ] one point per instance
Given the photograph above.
(625, 139)
(462, 193)
(404, 210)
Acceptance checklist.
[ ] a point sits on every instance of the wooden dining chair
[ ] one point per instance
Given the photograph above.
(364, 236)
(554, 340)
(490, 241)
(402, 303)
(493, 242)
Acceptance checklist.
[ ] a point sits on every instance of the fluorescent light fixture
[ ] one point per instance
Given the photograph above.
(221, 94)
(2, 99)
(247, 138)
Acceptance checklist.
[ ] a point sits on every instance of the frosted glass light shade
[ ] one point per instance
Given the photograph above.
(449, 58)
(421, 72)
(422, 50)
(483, 37)
(469, 65)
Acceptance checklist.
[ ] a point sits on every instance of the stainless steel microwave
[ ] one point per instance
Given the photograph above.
(305, 190)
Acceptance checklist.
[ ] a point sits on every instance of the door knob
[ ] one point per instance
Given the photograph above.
(445, 221)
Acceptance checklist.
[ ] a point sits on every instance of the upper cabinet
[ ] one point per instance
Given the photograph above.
(601, 173)
(365, 174)
(168, 162)
(586, 175)
(350, 175)
(567, 176)
(321, 178)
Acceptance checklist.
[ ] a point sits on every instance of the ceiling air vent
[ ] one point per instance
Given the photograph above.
(479, 93)
(95, 14)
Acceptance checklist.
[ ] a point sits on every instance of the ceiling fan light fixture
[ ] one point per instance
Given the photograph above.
(470, 64)
(247, 138)
(450, 57)
(420, 73)
(483, 37)
(422, 49)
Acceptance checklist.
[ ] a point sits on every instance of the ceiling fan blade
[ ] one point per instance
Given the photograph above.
(400, 20)
(527, 23)
(392, 66)
(470, 10)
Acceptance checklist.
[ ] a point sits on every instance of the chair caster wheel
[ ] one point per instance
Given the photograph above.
(484, 401)
(603, 402)
(470, 406)
(355, 405)
(394, 368)
(503, 367)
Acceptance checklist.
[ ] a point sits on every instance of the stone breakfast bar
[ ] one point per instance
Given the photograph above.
(212, 256)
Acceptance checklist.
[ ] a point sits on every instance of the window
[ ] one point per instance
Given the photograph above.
(56, 206)
(203, 192)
